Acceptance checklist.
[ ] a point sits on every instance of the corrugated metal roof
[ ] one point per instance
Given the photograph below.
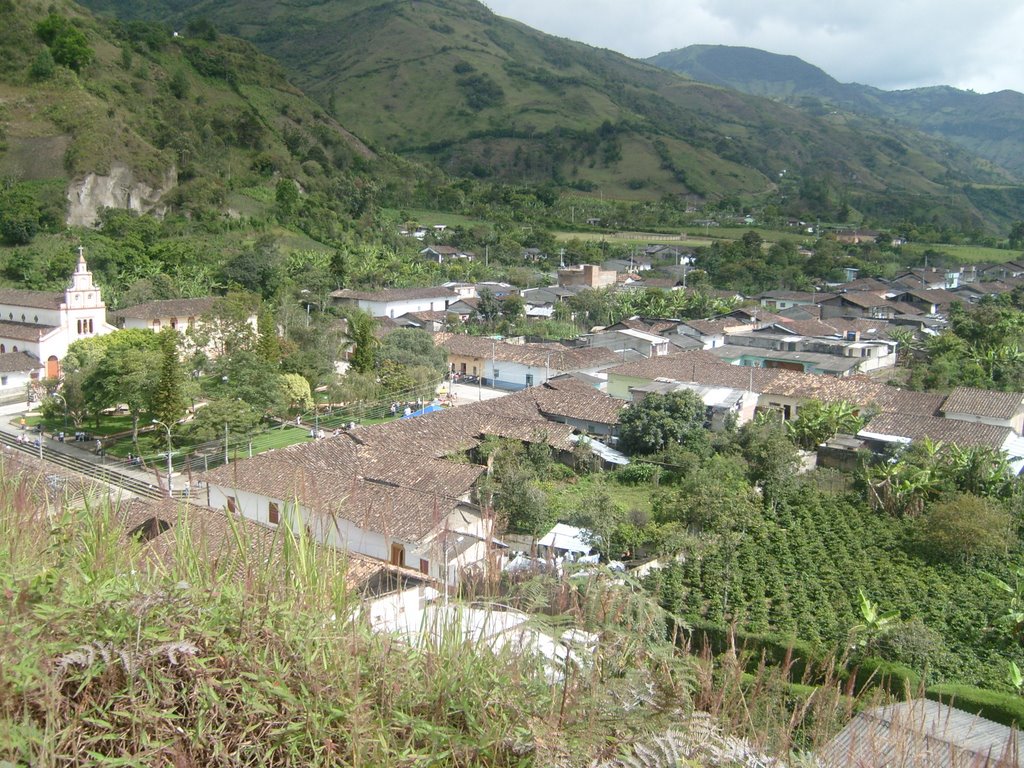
(922, 734)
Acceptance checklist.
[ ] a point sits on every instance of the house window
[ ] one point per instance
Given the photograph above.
(424, 566)
(497, 374)
(156, 325)
(14, 348)
(230, 503)
(474, 370)
(529, 379)
(174, 323)
(3, 381)
(274, 513)
(2, 349)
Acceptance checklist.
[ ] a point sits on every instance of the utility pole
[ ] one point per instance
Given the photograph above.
(226, 458)
(170, 467)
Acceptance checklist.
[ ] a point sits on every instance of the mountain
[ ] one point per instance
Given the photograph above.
(100, 114)
(985, 124)
(449, 82)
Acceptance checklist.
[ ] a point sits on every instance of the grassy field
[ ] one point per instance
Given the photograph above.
(965, 254)
(426, 218)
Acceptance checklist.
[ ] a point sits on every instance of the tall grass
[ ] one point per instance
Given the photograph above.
(240, 656)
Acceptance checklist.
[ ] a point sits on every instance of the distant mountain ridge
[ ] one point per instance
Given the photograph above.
(986, 124)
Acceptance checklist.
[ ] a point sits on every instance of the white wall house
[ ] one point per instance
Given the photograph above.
(182, 315)
(44, 324)
(395, 302)
(457, 541)
(647, 344)
(518, 366)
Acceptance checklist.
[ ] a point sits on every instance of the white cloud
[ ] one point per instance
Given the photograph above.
(889, 44)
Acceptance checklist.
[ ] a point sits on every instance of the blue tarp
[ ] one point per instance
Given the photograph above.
(424, 409)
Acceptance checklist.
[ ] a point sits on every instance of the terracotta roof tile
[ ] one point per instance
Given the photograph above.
(23, 331)
(217, 536)
(983, 402)
(936, 428)
(34, 299)
(17, 362)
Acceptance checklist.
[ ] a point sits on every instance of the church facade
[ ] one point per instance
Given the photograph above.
(44, 324)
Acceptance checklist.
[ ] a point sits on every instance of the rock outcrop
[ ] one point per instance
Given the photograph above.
(119, 189)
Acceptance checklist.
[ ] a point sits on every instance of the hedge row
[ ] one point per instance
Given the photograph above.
(1005, 708)
(806, 662)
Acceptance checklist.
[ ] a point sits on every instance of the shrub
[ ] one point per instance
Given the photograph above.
(899, 681)
(639, 473)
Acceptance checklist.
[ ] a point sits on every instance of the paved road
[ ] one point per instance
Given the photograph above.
(471, 393)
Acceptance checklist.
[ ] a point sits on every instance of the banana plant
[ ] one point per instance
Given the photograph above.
(875, 623)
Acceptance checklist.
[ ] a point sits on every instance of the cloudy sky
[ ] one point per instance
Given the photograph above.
(889, 44)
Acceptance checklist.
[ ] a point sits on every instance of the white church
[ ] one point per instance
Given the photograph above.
(44, 324)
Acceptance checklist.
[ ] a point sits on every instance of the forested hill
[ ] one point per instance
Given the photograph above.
(985, 124)
(100, 113)
(450, 82)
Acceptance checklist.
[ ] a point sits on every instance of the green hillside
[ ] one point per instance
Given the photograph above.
(150, 120)
(450, 82)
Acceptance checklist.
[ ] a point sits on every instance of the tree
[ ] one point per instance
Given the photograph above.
(963, 526)
(523, 505)
(1016, 236)
(168, 401)
(43, 66)
(227, 327)
(124, 376)
(286, 197)
(246, 376)
(258, 269)
(71, 49)
(659, 421)
(240, 418)
(179, 84)
(295, 390)
(488, 308)
(19, 216)
(361, 328)
(97, 364)
(411, 347)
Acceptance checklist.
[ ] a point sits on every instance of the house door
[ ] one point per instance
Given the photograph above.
(397, 555)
